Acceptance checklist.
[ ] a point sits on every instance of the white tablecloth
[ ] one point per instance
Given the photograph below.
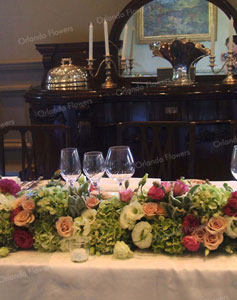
(28, 275)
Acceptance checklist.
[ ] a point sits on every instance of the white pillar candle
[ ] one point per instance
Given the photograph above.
(125, 36)
(131, 48)
(91, 41)
(231, 25)
(212, 39)
(106, 38)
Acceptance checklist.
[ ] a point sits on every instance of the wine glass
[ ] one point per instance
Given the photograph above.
(120, 164)
(233, 166)
(94, 167)
(70, 165)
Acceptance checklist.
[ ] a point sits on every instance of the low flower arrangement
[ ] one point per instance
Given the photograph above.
(171, 217)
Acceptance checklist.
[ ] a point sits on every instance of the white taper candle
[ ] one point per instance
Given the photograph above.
(91, 41)
(125, 36)
(131, 48)
(231, 25)
(213, 39)
(106, 38)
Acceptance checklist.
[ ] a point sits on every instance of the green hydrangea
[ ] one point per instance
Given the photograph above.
(6, 230)
(167, 236)
(106, 230)
(4, 251)
(46, 238)
(209, 200)
(51, 203)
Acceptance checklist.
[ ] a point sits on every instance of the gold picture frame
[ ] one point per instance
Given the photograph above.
(165, 36)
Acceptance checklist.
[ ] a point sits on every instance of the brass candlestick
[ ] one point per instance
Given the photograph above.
(108, 84)
(122, 65)
(130, 65)
(230, 79)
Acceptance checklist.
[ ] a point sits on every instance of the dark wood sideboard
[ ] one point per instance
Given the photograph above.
(91, 108)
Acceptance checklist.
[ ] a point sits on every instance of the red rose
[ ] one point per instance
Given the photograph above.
(190, 243)
(234, 195)
(189, 224)
(156, 193)
(23, 239)
(230, 209)
(15, 212)
(8, 186)
(180, 188)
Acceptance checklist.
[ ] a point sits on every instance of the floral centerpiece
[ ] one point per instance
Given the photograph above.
(171, 217)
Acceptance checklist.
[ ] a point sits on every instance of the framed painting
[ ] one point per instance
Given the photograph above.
(164, 20)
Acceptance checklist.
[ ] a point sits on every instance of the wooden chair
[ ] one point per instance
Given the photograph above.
(161, 148)
(40, 149)
(170, 149)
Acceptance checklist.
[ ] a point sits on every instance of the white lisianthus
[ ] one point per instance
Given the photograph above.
(7, 202)
(125, 222)
(141, 235)
(81, 227)
(89, 214)
(122, 250)
(231, 229)
(134, 211)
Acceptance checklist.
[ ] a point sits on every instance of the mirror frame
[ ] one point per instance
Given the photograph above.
(134, 5)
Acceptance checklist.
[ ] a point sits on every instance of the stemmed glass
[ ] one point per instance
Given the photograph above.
(120, 164)
(94, 167)
(233, 166)
(70, 165)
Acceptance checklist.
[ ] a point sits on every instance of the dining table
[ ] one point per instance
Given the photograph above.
(32, 275)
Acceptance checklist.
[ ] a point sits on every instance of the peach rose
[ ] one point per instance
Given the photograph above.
(20, 200)
(216, 224)
(150, 209)
(160, 211)
(199, 233)
(28, 205)
(92, 202)
(23, 218)
(212, 241)
(64, 226)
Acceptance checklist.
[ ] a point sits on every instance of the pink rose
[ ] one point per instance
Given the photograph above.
(92, 202)
(156, 193)
(180, 188)
(190, 243)
(126, 196)
(150, 209)
(64, 226)
(212, 241)
(167, 186)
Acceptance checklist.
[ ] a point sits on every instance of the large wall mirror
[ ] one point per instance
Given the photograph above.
(165, 20)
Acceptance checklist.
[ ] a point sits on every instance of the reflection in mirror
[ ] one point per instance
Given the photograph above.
(164, 18)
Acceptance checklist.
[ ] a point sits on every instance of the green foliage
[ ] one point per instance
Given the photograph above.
(77, 200)
(46, 238)
(209, 200)
(167, 236)
(6, 230)
(51, 203)
(107, 230)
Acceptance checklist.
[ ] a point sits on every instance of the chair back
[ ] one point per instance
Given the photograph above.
(161, 148)
(40, 149)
